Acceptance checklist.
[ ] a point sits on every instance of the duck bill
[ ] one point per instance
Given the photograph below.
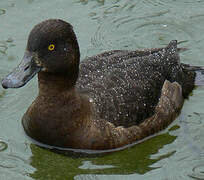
(25, 71)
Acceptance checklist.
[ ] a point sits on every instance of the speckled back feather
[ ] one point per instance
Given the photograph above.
(126, 85)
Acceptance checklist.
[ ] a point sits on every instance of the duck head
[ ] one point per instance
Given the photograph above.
(52, 48)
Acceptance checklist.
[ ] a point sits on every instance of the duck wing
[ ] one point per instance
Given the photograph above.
(125, 86)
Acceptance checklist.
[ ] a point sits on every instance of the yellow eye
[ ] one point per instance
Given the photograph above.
(51, 47)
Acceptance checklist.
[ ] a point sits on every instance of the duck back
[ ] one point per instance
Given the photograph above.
(125, 86)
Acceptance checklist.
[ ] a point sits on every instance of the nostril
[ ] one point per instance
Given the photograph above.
(26, 68)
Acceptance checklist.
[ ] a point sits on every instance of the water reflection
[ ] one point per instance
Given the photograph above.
(132, 160)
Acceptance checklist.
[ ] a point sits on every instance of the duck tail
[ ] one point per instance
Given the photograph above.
(182, 49)
(199, 70)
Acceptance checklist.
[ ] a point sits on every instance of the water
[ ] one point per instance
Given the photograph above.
(176, 153)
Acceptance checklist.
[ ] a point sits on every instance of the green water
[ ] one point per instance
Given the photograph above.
(176, 153)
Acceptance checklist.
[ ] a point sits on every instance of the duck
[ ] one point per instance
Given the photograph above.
(104, 102)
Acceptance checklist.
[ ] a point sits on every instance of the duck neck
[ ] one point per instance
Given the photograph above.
(55, 84)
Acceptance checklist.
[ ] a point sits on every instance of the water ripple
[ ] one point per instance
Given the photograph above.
(103, 10)
(4, 45)
(3, 146)
(90, 165)
(155, 2)
(198, 172)
(2, 11)
(160, 32)
(194, 118)
(143, 31)
(14, 161)
(172, 2)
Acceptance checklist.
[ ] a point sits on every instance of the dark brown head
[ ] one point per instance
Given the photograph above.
(52, 48)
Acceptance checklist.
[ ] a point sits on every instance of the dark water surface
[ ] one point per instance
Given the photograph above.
(177, 153)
